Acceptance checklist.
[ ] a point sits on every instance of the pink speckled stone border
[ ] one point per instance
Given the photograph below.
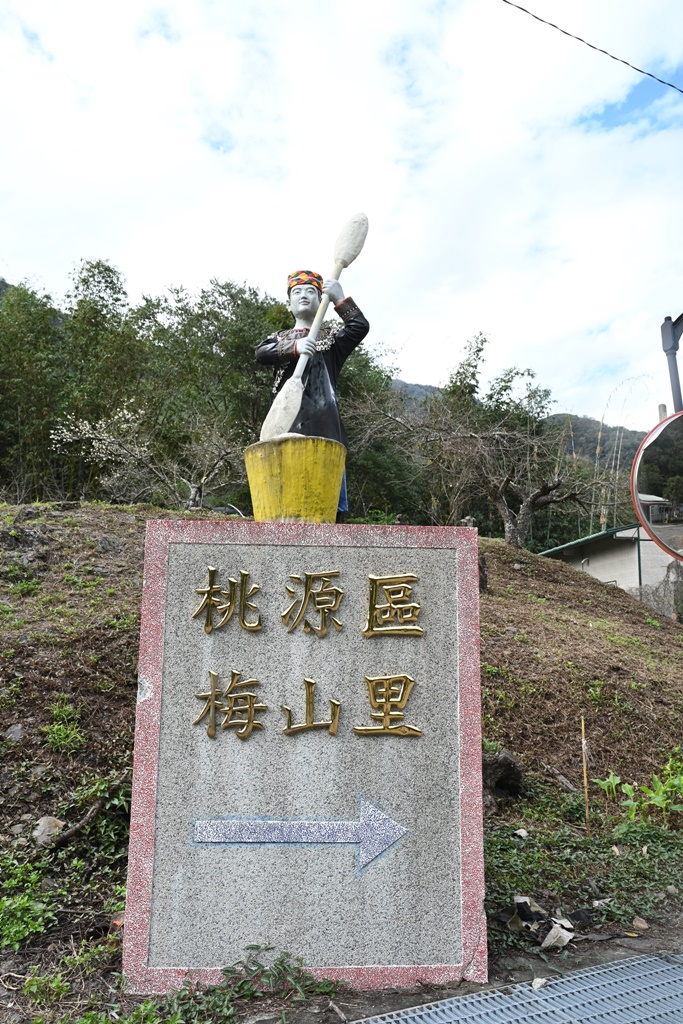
(160, 534)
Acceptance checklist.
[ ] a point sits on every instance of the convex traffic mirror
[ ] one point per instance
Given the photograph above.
(657, 484)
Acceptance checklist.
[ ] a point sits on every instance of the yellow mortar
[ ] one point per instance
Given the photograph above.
(295, 479)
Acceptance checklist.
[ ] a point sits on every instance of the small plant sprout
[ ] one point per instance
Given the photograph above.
(609, 785)
(630, 804)
(661, 795)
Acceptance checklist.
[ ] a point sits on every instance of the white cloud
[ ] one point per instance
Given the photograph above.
(513, 183)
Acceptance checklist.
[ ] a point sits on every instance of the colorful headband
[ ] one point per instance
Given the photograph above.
(304, 277)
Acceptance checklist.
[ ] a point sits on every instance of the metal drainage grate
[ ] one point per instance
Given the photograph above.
(638, 990)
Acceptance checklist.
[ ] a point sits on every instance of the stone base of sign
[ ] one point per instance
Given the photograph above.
(345, 831)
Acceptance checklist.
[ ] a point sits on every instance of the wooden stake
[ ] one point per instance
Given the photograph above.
(585, 774)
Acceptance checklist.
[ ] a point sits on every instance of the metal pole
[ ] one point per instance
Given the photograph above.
(640, 568)
(671, 334)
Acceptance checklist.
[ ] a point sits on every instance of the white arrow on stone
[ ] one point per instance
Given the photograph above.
(374, 832)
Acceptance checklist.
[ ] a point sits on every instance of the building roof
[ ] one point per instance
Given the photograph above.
(591, 537)
(653, 499)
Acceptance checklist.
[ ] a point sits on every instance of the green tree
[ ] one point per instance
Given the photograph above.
(197, 396)
(673, 491)
(103, 362)
(82, 361)
(499, 445)
(488, 453)
(204, 356)
(381, 474)
(103, 357)
(31, 392)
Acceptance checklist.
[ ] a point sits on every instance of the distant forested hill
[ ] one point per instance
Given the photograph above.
(414, 391)
(584, 434)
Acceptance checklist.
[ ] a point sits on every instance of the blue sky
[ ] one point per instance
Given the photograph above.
(516, 182)
(642, 103)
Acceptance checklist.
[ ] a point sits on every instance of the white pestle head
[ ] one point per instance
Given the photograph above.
(351, 240)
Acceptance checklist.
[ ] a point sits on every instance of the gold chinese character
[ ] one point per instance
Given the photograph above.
(241, 704)
(324, 598)
(236, 704)
(396, 614)
(212, 705)
(225, 602)
(309, 723)
(388, 696)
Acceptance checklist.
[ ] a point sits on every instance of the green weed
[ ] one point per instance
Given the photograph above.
(595, 687)
(664, 796)
(117, 902)
(565, 870)
(92, 869)
(17, 572)
(24, 908)
(63, 734)
(87, 959)
(674, 766)
(23, 588)
(45, 989)
(79, 584)
(9, 694)
(377, 518)
(122, 622)
(626, 641)
(247, 980)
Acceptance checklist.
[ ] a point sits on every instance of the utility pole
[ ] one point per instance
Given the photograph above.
(671, 335)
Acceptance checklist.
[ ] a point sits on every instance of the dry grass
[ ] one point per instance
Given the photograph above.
(557, 644)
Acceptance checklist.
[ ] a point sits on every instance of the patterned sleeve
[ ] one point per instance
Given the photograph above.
(276, 349)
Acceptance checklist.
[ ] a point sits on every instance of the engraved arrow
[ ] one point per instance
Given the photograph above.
(374, 832)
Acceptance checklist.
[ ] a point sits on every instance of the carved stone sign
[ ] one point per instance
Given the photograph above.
(307, 754)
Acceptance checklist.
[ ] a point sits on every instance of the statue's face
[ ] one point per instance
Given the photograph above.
(304, 300)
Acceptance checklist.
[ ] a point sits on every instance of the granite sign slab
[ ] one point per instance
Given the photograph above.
(307, 754)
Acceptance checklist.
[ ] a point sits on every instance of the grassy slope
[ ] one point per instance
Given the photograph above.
(555, 645)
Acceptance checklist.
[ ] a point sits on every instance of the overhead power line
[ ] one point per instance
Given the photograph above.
(599, 49)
